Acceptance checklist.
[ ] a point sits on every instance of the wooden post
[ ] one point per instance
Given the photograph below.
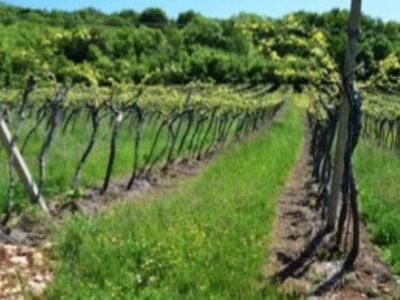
(350, 61)
(20, 166)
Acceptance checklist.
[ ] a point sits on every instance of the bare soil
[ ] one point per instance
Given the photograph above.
(300, 260)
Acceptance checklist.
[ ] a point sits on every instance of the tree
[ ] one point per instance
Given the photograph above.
(129, 16)
(153, 17)
(90, 15)
(381, 48)
(186, 17)
(205, 32)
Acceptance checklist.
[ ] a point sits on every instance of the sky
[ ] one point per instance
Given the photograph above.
(384, 9)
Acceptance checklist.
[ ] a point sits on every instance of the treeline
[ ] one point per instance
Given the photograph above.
(90, 46)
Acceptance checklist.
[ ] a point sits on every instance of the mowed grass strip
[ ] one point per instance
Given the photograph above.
(378, 172)
(205, 239)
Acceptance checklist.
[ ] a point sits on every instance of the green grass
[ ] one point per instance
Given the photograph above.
(67, 149)
(378, 173)
(64, 155)
(205, 239)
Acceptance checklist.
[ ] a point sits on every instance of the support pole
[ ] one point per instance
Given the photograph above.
(348, 75)
(20, 166)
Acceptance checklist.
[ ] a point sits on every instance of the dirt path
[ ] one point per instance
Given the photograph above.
(299, 261)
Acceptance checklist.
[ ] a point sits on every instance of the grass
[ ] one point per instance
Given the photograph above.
(64, 155)
(66, 151)
(378, 173)
(205, 239)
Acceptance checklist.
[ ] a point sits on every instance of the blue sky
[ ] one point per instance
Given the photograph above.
(385, 9)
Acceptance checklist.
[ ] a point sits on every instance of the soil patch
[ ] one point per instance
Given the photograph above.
(299, 260)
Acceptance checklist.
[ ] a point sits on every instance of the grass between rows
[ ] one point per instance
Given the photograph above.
(65, 153)
(378, 173)
(205, 239)
(69, 146)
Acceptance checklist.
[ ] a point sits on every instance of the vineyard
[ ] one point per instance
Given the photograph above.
(141, 128)
(247, 158)
(381, 120)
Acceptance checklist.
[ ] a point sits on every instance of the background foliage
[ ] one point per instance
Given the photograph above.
(90, 46)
